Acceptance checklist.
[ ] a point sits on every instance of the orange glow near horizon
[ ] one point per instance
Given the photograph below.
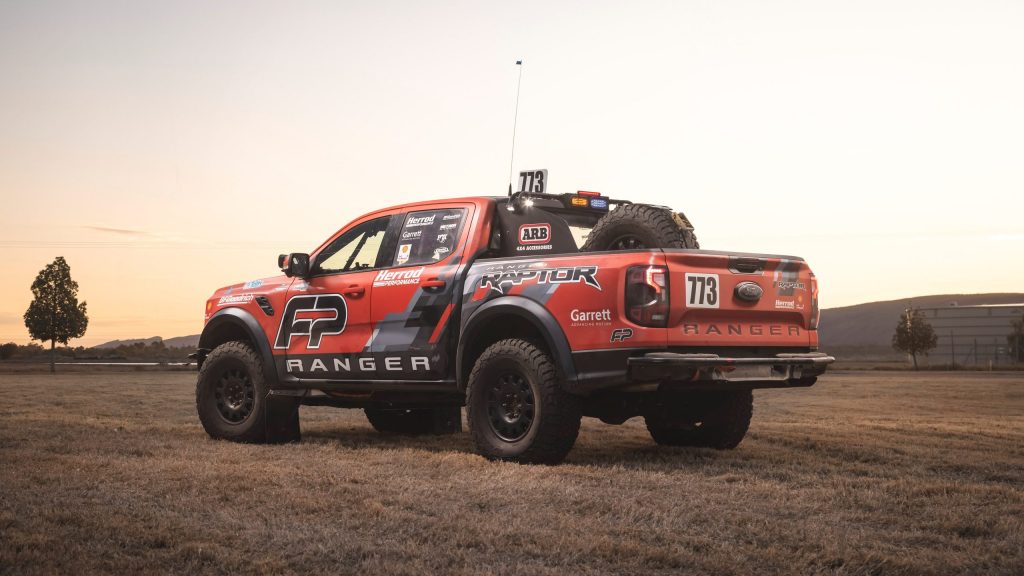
(166, 150)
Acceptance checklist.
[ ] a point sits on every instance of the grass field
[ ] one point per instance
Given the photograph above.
(865, 473)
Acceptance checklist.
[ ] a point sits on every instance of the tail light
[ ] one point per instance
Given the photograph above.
(647, 297)
(815, 310)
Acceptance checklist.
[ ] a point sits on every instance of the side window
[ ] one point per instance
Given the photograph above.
(428, 236)
(356, 249)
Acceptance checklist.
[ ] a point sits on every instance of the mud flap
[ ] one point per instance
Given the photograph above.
(282, 419)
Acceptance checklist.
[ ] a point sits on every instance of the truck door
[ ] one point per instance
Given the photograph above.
(326, 324)
(413, 293)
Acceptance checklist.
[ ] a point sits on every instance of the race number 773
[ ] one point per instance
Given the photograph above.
(702, 290)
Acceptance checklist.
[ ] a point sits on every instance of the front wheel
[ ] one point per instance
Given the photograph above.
(234, 402)
(517, 408)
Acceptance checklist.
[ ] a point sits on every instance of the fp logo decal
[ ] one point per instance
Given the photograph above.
(313, 316)
(622, 334)
(534, 233)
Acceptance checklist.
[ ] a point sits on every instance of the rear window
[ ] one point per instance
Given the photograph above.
(428, 236)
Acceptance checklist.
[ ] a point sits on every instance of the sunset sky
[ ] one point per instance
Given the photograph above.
(169, 148)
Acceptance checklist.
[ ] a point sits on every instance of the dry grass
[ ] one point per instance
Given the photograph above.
(866, 473)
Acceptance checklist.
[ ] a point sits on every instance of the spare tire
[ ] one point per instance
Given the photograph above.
(639, 227)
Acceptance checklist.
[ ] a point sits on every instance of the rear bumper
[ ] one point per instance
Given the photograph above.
(778, 371)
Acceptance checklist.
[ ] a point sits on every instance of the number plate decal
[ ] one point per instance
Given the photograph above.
(702, 290)
(533, 181)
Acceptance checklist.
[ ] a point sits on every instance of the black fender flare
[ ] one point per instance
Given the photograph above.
(529, 310)
(234, 319)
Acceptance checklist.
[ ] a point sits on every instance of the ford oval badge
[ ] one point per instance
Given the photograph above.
(749, 291)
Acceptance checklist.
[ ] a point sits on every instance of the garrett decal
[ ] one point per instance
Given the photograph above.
(501, 281)
(590, 317)
(534, 233)
(331, 315)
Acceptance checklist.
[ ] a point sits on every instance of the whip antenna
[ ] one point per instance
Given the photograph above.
(515, 121)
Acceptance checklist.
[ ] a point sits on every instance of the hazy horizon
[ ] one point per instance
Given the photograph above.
(166, 149)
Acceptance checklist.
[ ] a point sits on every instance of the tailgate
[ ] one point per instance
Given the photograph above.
(744, 300)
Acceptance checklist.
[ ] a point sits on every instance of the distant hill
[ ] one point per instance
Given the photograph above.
(178, 342)
(872, 324)
(130, 342)
(182, 341)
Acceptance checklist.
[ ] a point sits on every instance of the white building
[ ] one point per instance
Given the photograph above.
(973, 335)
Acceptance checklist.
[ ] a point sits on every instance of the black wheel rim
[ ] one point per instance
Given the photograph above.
(510, 407)
(235, 395)
(628, 242)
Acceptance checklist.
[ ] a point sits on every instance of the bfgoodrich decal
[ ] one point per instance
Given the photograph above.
(227, 300)
(332, 315)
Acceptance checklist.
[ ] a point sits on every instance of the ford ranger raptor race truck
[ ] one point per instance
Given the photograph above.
(531, 311)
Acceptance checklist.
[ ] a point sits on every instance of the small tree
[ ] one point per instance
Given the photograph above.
(914, 335)
(8, 350)
(55, 313)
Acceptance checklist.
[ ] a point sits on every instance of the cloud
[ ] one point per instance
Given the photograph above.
(120, 231)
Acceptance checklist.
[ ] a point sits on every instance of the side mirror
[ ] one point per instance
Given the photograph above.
(295, 264)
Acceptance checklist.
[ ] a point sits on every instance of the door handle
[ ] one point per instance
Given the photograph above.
(354, 290)
(434, 283)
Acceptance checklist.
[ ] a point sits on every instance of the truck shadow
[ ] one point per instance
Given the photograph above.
(594, 448)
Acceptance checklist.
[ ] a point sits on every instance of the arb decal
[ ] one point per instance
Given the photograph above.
(534, 233)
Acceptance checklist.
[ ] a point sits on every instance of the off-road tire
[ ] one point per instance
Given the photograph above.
(638, 227)
(259, 418)
(412, 422)
(712, 420)
(556, 414)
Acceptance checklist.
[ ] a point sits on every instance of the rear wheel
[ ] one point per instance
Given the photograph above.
(713, 420)
(444, 420)
(640, 227)
(234, 402)
(516, 406)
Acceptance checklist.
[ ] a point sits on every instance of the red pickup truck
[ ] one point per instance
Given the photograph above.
(531, 311)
